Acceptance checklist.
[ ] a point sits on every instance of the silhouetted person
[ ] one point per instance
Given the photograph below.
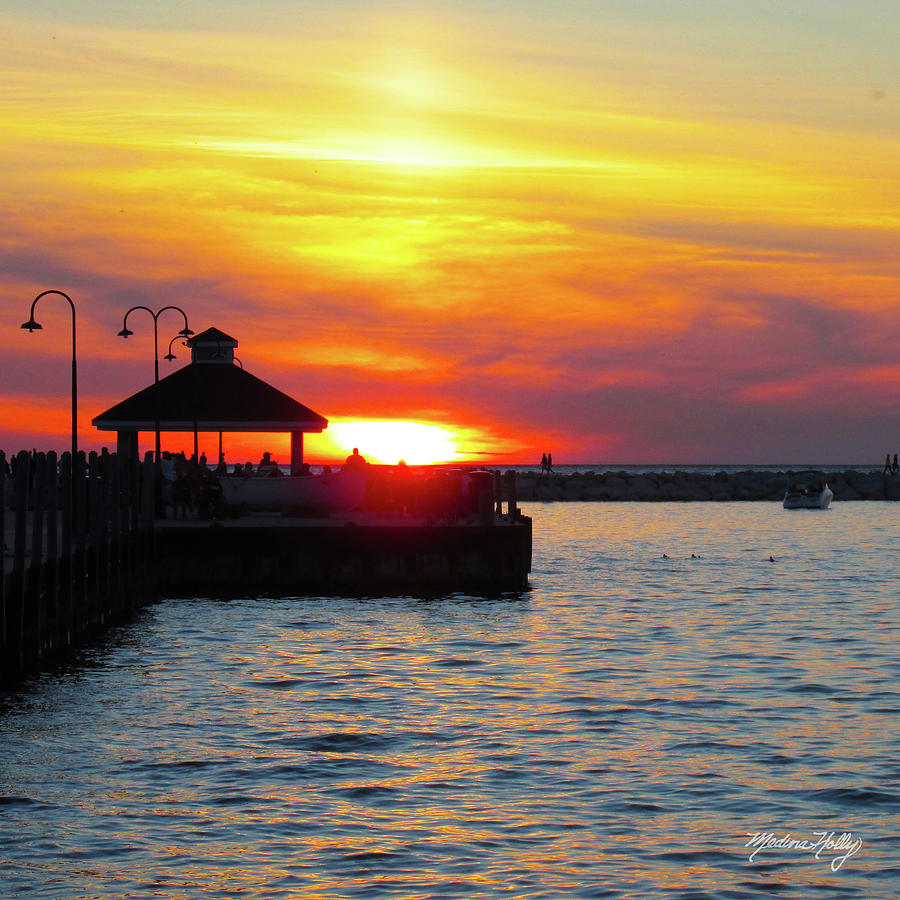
(402, 488)
(543, 463)
(895, 466)
(887, 465)
(354, 460)
(267, 465)
(549, 463)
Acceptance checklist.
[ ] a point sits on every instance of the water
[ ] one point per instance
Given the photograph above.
(615, 732)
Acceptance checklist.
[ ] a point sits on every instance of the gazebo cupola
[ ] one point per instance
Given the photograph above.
(212, 346)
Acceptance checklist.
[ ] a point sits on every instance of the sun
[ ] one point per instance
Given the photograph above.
(387, 442)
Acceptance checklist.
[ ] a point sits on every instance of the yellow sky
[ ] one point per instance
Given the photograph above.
(406, 214)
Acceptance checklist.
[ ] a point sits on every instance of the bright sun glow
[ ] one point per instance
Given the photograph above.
(387, 442)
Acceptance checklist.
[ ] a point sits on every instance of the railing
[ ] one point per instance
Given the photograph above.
(78, 541)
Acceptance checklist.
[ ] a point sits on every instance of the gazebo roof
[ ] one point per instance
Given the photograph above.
(204, 397)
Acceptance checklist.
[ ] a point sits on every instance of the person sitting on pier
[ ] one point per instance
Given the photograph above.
(355, 460)
(267, 466)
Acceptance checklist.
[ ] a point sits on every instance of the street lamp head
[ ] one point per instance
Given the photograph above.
(125, 332)
(186, 332)
(31, 325)
(170, 356)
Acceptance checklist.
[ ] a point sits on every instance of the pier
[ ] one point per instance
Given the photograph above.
(87, 539)
(87, 544)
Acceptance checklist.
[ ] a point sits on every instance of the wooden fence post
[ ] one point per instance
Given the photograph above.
(4, 647)
(106, 543)
(15, 621)
(95, 540)
(51, 567)
(115, 496)
(33, 580)
(67, 560)
(80, 558)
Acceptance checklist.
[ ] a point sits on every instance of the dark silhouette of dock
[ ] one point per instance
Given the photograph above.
(88, 541)
(78, 551)
(90, 538)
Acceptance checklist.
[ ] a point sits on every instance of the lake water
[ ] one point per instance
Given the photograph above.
(615, 732)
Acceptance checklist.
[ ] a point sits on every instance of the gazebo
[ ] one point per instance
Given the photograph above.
(212, 393)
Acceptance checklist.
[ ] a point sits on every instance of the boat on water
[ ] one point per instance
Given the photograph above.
(322, 494)
(807, 490)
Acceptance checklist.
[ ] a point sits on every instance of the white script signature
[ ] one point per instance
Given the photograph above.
(839, 847)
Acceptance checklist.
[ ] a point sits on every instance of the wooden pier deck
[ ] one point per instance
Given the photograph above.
(85, 544)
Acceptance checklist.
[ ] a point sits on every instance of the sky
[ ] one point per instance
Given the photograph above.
(624, 232)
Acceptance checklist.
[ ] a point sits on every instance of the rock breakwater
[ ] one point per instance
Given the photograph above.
(750, 484)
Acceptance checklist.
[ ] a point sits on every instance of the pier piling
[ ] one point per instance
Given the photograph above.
(79, 552)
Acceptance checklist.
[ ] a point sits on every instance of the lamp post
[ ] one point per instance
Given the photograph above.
(126, 332)
(185, 332)
(33, 326)
(170, 356)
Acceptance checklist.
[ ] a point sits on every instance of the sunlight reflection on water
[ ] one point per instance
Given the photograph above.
(614, 732)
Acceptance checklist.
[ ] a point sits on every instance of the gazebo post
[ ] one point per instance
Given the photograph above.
(296, 452)
(127, 444)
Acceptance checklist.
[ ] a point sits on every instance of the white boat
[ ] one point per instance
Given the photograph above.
(807, 490)
(320, 494)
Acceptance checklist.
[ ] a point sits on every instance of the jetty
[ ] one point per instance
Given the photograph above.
(616, 486)
(89, 540)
